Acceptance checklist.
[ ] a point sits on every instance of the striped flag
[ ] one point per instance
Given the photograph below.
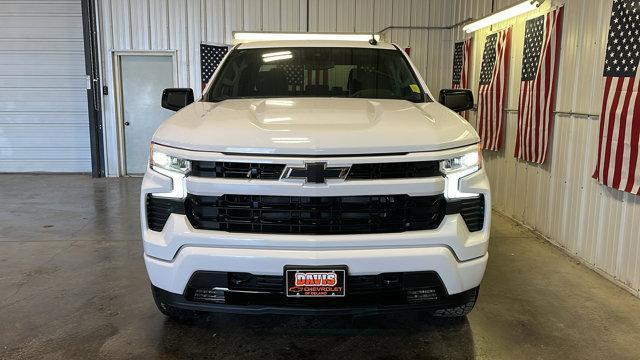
(461, 52)
(460, 78)
(210, 58)
(493, 88)
(542, 37)
(618, 157)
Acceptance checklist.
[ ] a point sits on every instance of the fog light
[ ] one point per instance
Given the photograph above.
(419, 295)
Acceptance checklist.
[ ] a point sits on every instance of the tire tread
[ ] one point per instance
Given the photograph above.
(458, 311)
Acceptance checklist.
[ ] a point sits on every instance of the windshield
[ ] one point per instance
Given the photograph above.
(317, 72)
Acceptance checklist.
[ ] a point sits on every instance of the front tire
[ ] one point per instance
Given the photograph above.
(460, 310)
(177, 314)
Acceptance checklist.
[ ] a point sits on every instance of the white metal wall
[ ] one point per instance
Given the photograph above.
(560, 199)
(375, 15)
(44, 124)
(182, 24)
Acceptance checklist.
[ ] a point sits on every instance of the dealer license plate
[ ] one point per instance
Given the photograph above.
(315, 281)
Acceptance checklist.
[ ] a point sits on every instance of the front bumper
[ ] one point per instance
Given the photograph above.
(165, 298)
(175, 253)
(457, 276)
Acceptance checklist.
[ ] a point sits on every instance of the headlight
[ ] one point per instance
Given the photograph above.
(458, 167)
(159, 160)
(173, 167)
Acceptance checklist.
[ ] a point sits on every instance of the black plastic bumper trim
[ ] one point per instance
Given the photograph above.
(179, 301)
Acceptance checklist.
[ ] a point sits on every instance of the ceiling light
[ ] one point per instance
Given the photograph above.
(277, 53)
(503, 15)
(279, 102)
(241, 37)
(276, 58)
(273, 56)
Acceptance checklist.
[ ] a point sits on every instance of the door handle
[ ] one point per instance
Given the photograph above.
(126, 123)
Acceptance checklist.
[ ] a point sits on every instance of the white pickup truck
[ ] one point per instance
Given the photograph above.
(315, 177)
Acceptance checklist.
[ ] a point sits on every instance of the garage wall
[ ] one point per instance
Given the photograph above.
(182, 24)
(375, 15)
(560, 199)
(44, 124)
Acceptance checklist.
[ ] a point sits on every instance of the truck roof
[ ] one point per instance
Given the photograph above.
(314, 43)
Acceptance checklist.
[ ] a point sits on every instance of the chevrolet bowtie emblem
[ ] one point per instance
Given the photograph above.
(317, 172)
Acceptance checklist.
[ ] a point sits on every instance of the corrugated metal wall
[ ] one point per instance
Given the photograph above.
(560, 199)
(44, 124)
(182, 24)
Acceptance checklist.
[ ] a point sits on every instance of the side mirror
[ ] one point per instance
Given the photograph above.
(176, 98)
(456, 99)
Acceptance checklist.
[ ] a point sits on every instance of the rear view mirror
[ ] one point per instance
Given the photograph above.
(456, 99)
(176, 98)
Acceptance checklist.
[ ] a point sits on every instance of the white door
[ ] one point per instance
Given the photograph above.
(43, 97)
(142, 77)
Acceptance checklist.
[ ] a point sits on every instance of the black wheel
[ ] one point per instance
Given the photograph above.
(177, 314)
(460, 310)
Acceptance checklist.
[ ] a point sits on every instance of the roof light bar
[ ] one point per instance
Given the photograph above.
(242, 37)
(503, 15)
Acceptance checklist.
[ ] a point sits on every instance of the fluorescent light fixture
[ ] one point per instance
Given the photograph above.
(277, 119)
(274, 56)
(279, 102)
(290, 140)
(241, 37)
(503, 15)
(277, 53)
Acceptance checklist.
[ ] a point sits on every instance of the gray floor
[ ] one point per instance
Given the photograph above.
(73, 285)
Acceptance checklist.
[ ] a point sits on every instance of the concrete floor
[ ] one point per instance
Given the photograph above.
(73, 285)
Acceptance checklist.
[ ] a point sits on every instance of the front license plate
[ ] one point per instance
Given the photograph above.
(315, 282)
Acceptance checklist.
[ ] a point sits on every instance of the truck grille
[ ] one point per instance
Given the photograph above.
(315, 215)
(230, 214)
(380, 289)
(400, 170)
(275, 283)
(236, 170)
(360, 171)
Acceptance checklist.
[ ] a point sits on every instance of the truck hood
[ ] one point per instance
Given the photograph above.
(315, 126)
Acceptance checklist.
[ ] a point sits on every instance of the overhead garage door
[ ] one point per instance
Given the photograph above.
(43, 102)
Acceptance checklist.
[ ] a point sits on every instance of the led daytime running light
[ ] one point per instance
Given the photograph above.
(457, 168)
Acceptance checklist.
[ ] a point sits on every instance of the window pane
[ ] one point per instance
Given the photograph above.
(319, 72)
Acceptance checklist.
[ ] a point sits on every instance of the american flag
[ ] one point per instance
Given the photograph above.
(618, 157)
(461, 51)
(542, 37)
(294, 74)
(460, 78)
(210, 57)
(493, 88)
